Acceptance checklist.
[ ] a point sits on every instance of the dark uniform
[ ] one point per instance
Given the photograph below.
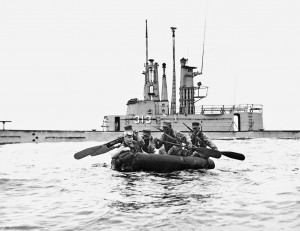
(122, 159)
(199, 139)
(136, 137)
(174, 137)
(149, 146)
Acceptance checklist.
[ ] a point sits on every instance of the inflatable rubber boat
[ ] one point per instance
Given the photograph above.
(129, 162)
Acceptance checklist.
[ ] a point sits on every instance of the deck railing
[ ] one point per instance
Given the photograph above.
(226, 109)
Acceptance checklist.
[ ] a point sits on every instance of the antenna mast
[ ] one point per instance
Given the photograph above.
(203, 42)
(173, 99)
(146, 42)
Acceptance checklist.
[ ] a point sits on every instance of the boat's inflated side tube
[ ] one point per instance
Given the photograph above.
(166, 163)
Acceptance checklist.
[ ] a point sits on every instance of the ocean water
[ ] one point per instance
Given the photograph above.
(42, 187)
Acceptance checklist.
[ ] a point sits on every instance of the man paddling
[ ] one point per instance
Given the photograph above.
(149, 146)
(122, 157)
(136, 137)
(172, 136)
(199, 139)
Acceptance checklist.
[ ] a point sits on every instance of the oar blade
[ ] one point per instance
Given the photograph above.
(233, 155)
(97, 150)
(80, 155)
(85, 152)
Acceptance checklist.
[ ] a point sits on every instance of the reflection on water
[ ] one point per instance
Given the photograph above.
(42, 187)
(152, 190)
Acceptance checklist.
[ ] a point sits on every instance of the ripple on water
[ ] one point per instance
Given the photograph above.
(42, 187)
(22, 227)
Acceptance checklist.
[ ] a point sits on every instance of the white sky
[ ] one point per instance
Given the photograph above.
(65, 64)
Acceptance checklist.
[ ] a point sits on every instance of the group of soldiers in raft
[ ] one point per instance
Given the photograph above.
(167, 144)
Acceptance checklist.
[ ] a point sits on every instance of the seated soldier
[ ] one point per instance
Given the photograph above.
(172, 136)
(136, 136)
(149, 146)
(122, 156)
(199, 139)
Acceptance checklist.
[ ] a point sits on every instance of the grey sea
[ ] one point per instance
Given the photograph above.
(42, 187)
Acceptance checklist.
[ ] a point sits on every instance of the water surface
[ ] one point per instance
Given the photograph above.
(42, 187)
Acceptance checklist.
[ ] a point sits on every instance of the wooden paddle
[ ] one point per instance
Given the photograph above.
(97, 150)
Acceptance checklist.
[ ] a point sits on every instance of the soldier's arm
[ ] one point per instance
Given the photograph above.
(115, 153)
(192, 137)
(140, 141)
(158, 143)
(189, 141)
(184, 139)
(151, 148)
(208, 142)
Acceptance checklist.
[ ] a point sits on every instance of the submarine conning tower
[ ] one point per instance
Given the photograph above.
(151, 87)
(164, 89)
(153, 110)
(187, 90)
(151, 104)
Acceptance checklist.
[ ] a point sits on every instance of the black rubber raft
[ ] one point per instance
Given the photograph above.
(130, 162)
